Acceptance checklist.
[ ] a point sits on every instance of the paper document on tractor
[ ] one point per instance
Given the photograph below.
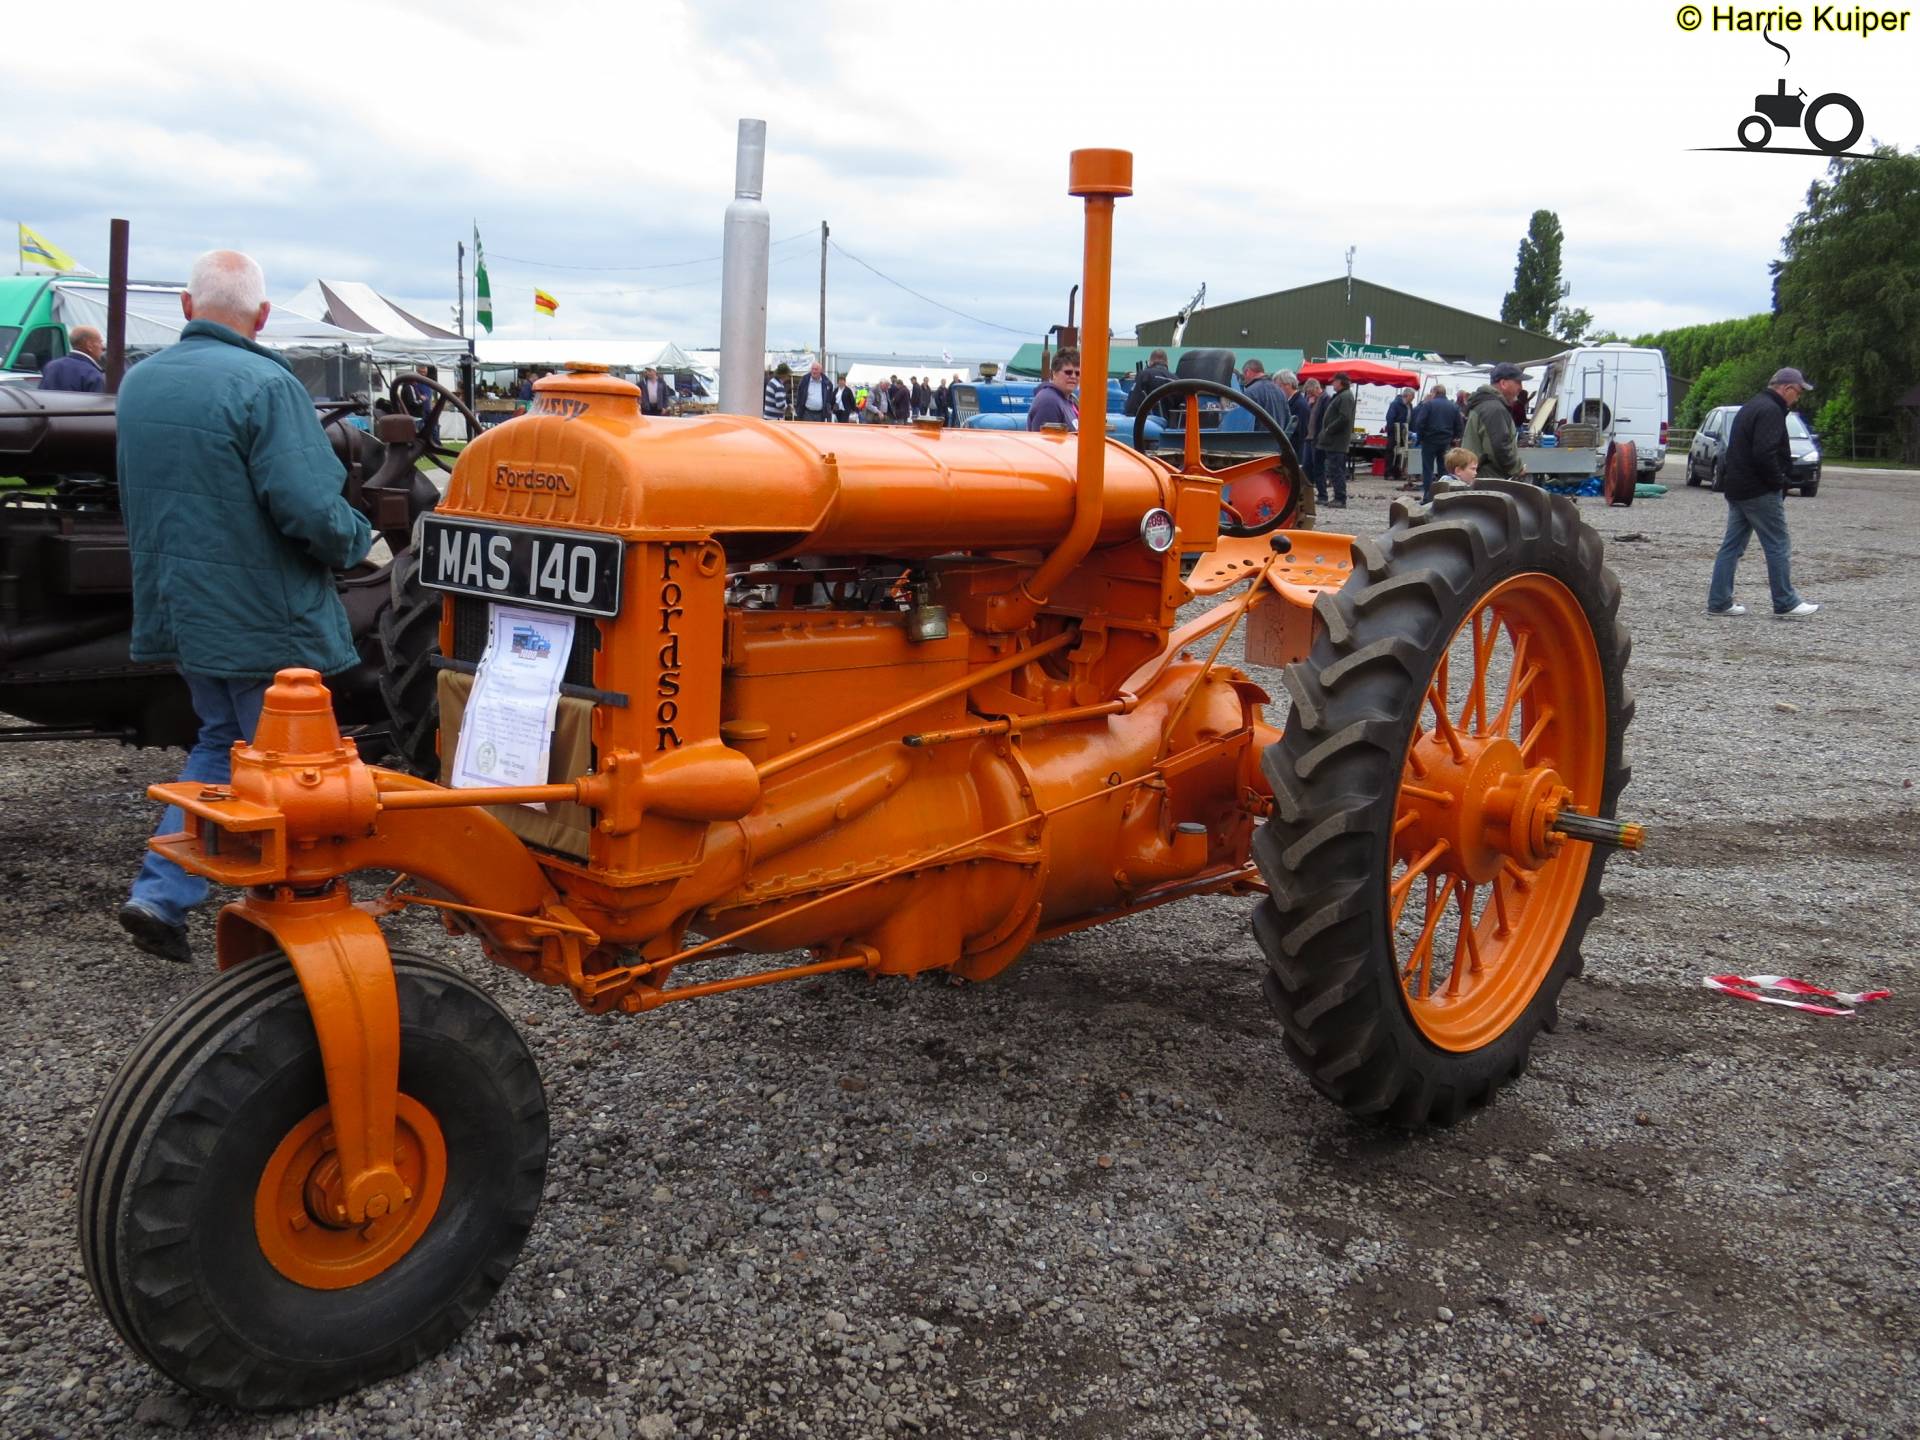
(507, 731)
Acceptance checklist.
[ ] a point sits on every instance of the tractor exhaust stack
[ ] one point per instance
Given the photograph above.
(743, 277)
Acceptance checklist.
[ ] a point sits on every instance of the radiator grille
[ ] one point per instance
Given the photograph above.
(470, 639)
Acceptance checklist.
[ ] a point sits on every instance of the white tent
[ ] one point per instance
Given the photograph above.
(154, 319)
(615, 354)
(867, 374)
(389, 332)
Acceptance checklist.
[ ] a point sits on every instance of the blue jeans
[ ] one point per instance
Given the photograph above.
(1333, 471)
(1432, 464)
(1765, 516)
(228, 710)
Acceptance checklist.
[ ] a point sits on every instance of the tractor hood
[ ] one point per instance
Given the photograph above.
(583, 457)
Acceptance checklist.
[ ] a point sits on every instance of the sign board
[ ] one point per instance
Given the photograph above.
(1357, 350)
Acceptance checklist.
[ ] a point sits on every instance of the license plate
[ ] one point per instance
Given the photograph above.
(554, 569)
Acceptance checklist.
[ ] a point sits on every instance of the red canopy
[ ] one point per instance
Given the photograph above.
(1361, 372)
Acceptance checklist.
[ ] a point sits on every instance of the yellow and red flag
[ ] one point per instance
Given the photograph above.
(544, 303)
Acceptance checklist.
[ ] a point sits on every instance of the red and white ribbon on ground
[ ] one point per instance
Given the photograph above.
(1748, 987)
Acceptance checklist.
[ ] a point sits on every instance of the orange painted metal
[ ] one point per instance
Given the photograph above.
(300, 1212)
(758, 792)
(1483, 888)
(346, 975)
(1099, 177)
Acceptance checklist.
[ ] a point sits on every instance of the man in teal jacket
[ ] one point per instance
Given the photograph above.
(235, 516)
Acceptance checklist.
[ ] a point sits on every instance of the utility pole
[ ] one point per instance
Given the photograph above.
(460, 285)
(119, 235)
(823, 294)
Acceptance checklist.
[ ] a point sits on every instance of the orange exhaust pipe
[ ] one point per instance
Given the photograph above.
(1099, 177)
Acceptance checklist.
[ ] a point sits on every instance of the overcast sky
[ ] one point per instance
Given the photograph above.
(360, 141)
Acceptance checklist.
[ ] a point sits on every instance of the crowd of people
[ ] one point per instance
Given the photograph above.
(836, 400)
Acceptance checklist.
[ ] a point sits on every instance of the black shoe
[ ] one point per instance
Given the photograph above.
(154, 935)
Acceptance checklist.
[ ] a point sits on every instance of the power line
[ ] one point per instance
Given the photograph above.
(662, 265)
(938, 305)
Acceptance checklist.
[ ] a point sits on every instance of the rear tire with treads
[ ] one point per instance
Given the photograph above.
(409, 684)
(1327, 851)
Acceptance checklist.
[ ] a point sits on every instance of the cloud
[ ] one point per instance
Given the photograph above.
(363, 145)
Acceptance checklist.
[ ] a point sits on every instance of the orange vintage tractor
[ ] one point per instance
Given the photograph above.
(906, 699)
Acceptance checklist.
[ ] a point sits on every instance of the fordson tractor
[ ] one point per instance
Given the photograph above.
(901, 700)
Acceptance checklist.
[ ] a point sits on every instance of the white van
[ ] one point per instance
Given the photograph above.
(1621, 388)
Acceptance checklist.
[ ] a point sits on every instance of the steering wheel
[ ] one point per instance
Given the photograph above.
(428, 423)
(1257, 496)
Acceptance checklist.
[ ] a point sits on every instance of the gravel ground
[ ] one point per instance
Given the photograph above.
(1093, 1199)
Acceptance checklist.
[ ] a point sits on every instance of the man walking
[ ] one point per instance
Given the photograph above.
(1263, 392)
(81, 369)
(1437, 422)
(1759, 468)
(774, 401)
(815, 398)
(1490, 434)
(1333, 439)
(1294, 422)
(846, 405)
(1146, 382)
(1053, 402)
(656, 396)
(1399, 413)
(1315, 396)
(236, 520)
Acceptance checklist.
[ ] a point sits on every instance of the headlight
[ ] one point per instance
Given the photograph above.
(1813, 457)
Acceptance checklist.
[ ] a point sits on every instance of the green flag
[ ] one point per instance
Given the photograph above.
(482, 292)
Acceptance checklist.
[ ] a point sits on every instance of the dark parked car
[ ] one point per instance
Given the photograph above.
(1706, 457)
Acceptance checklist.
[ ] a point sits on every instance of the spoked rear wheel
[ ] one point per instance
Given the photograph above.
(1434, 858)
(209, 1224)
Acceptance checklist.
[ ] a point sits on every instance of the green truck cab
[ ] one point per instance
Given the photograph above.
(30, 336)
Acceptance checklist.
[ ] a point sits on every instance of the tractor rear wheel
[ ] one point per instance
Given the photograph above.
(1466, 686)
(409, 685)
(202, 1225)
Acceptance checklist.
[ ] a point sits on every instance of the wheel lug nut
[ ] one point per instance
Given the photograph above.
(298, 1221)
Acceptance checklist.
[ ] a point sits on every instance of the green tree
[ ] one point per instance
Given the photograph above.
(1848, 290)
(1536, 276)
(1571, 324)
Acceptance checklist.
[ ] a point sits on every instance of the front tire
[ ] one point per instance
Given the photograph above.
(178, 1189)
(1382, 1021)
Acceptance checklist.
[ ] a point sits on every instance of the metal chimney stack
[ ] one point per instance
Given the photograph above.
(743, 279)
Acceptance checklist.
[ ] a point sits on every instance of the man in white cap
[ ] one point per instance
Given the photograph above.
(1759, 469)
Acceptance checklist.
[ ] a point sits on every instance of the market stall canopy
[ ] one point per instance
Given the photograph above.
(616, 354)
(1123, 360)
(383, 327)
(1360, 372)
(154, 318)
(354, 306)
(868, 374)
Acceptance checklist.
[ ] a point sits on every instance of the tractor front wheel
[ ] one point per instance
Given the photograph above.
(206, 1222)
(1464, 698)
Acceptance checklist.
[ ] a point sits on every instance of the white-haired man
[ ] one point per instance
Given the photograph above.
(814, 397)
(236, 520)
